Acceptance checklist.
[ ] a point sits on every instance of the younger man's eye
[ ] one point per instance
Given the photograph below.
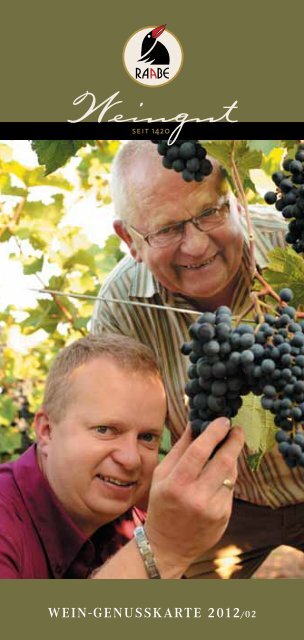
(102, 429)
(149, 437)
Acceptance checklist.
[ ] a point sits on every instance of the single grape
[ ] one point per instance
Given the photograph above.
(270, 197)
(187, 150)
(286, 294)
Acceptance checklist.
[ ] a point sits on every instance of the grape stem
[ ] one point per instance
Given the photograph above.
(17, 214)
(257, 303)
(244, 313)
(267, 290)
(237, 181)
(256, 275)
(257, 306)
(269, 307)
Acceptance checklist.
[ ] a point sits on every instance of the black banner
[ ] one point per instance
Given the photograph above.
(144, 130)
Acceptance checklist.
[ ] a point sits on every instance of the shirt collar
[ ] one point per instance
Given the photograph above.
(60, 537)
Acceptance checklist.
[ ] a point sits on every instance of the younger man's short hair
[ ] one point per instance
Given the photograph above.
(126, 352)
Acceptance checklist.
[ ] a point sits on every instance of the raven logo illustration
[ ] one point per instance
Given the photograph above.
(152, 50)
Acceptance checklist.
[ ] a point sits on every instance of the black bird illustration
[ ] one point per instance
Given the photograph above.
(152, 50)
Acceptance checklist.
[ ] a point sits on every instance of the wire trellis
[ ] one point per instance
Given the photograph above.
(83, 296)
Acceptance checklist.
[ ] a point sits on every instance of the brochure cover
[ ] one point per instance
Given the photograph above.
(175, 224)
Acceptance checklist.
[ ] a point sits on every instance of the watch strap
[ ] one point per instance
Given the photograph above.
(146, 552)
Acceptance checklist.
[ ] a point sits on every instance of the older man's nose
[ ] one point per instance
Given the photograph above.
(193, 239)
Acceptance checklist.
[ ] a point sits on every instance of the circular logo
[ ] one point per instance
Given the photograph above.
(153, 56)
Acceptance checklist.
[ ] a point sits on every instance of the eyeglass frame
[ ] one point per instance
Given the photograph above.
(182, 223)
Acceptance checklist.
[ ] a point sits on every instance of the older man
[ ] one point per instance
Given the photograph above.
(189, 252)
(66, 504)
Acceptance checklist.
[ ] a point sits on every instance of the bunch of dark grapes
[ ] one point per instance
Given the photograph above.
(289, 197)
(216, 380)
(185, 156)
(228, 363)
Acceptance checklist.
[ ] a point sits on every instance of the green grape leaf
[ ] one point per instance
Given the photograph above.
(57, 307)
(46, 316)
(6, 187)
(95, 164)
(112, 247)
(8, 410)
(264, 145)
(272, 161)
(15, 168)
(109, 256)
(37, 178)
(32, 265)
(286, 268)
(81, 257)
(55, 153)
(34, 321)
(258, 425)
(6, 316)
(82, 323)
(254, 460)
(10, 440)
(245, 158)
(290, 144)
(221, 150)
(6, 235)
(36, 240)
(248, 184)
(44, 214)
(30, 178)
(57, 283)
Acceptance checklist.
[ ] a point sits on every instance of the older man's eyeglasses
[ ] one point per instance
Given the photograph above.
(204, 221)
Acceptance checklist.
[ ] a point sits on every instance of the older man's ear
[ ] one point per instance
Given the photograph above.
(123, 233)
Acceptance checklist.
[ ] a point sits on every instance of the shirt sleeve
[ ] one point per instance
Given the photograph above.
(10, 552)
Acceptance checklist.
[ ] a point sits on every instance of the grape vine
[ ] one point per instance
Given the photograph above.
(289, 197)
(268, 360)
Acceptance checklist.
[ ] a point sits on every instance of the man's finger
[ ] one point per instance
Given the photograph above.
(223, 465)
(190, 465)
(176, 452)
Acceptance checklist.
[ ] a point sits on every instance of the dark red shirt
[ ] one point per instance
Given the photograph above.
(38, 539)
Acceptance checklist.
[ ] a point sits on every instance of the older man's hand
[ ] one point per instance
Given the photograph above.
(190, 506)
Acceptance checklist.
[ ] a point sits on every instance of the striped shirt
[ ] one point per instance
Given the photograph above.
(273, 484)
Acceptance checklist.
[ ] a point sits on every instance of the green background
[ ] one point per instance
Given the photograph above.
(53, 52)
(26, 609)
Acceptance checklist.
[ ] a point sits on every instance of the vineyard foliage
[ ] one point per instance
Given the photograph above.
(33, 206)
(55, 255)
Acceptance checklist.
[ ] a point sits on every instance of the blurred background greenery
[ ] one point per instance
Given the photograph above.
(49, 230)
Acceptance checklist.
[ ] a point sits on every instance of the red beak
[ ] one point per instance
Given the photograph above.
(158, 31)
